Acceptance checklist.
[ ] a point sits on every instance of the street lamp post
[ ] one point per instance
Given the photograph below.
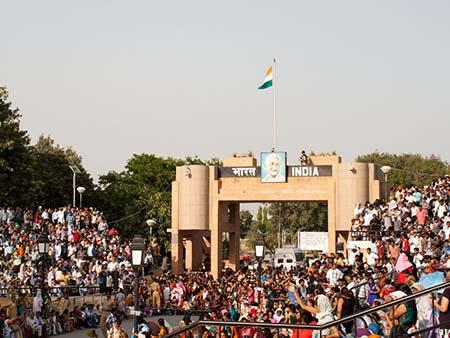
(386, 170)
(138, 250)
(260, 248)
(75, 171)
(43, 245)
(81, 191)
(150, 223)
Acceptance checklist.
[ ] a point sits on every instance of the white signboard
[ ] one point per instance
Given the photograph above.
(317, 241)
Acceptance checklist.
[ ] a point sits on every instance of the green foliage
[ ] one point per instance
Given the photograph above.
(52, 177)
(295, 216)
(409, 169)
(15, 159)
(288, 217)
(39, 174)
(142, 191)
(46, 145)
(246, 219)
(261, 220)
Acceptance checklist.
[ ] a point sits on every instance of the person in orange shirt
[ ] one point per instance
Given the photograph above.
(21, 250)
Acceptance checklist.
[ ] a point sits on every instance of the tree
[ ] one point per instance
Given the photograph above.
(142, 191)
(299, 216)
(287, 217)
(15, 159)
(52, 177)
(409, 169)
(35, 175)
(246, 219)
(46, 145)
(262, 226)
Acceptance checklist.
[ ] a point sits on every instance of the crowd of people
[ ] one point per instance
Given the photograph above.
(407, 246)
(406, 243)
(85, 256)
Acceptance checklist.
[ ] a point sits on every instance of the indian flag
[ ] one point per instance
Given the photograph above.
(267, 80)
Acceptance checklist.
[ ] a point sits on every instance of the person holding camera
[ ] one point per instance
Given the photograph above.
(322, 310)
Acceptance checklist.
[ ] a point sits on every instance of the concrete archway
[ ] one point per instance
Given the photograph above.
(205, 202)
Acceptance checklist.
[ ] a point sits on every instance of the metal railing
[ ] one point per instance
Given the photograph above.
(322, 327)
(64, 291)
(367, 235)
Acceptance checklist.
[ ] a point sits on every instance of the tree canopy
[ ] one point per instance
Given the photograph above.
(15, 158)
(39, 174)
(409, 169)
(52, 176)
(142, 191)
(285, 217)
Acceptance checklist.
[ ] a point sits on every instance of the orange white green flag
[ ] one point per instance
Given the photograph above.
(268, 82)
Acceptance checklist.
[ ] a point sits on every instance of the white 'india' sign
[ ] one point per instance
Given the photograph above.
(304, 171)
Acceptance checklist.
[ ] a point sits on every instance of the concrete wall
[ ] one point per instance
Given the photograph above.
(193, 197)
(239, 161)
(352, 186)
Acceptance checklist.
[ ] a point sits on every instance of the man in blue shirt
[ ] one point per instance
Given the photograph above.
(445, 249)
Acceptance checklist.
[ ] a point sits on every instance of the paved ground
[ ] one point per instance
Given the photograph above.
(127, 325)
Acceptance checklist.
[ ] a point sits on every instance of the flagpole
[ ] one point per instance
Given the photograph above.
(274, 106)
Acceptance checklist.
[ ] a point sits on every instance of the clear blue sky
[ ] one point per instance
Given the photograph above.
(113, 78)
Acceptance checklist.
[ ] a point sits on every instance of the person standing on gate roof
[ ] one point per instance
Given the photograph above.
(303, 159)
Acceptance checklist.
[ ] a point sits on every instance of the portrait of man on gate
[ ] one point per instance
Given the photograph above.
(273, 167)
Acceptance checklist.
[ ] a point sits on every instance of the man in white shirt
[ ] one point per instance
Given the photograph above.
(414, 210)
(441, 209)
(113, 268)
(446, 229)
(371, 258)
(352, 281)
(76, 274)
(60, 215)
(393, 204)
(417, 258)
(55, 217)
(414, 241)
(58, 250)
(358, 209)
(351, 256)
(334, 274)
(35, 325)
(368, 217)
(45, 215)
(410, 198)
